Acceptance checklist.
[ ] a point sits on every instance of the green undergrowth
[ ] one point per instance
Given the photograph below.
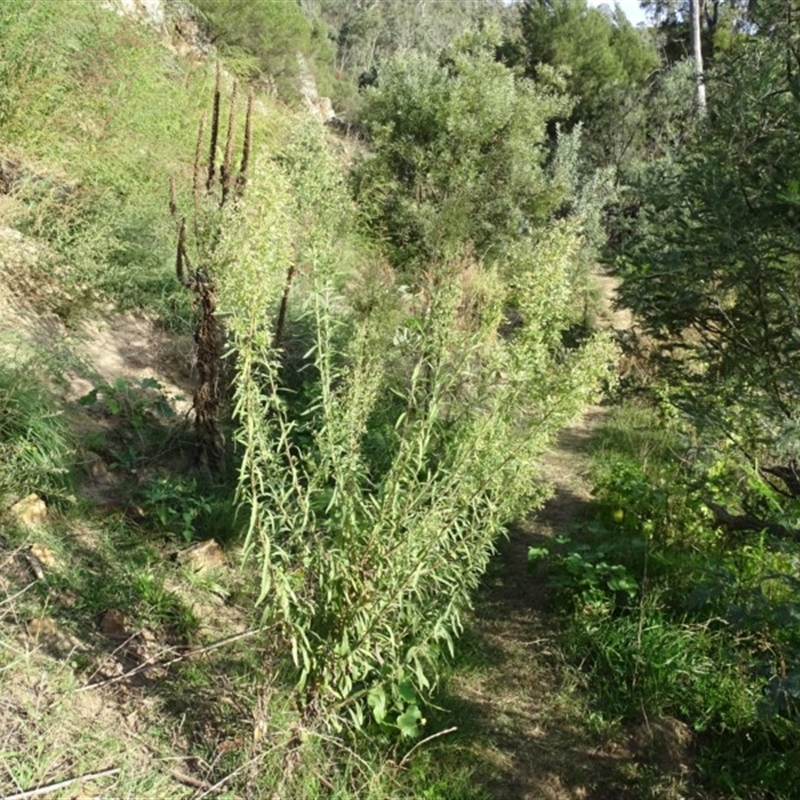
(98, 115)
(672, 617)
(381, 431)
(36, 445)
(101, 596)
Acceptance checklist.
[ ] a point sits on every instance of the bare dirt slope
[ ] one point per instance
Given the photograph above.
(532, 731)
(90, 352)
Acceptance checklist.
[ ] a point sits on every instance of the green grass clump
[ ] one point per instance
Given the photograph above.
(36, 448)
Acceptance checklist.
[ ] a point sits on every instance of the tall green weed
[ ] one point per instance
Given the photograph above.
(379, 482)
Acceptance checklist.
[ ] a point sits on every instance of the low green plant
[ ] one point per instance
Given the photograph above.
(119, 572)
(135, 402)
(176, 504)
(651, 660)
(435, 776)
(36, 448)
(140, 410)
(399, 710)
(703, 626)
(592, 578)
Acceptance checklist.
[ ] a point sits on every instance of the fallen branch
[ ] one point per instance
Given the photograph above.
(188, 780)
(54, 787)
(425, 741)
(747, 522)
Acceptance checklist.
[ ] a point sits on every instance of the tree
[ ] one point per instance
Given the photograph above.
(598, 52)
(714, 274)
(608, 66)
(370, 32)
(697, 55)
(457, 153)
(719, 21)
(272, 34)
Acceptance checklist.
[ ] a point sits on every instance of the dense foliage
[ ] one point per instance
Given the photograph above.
(692, 558)
(713, 272)
(602, 54)
(368, 34)
(266, 40)
(457, 155)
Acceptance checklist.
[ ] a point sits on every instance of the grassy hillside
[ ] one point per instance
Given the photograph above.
(97, 113)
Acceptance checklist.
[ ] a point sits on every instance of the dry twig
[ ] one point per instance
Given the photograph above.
(154, 660)
(54, 787)
(425, 741)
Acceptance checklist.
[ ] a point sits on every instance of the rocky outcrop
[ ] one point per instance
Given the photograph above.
(179, 23)
(321, 108)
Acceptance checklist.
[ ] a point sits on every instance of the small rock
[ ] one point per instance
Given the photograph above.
(42, 626)
(46, 632)
(113, 624)
(203, 556)
(43, 554)
(31, 511)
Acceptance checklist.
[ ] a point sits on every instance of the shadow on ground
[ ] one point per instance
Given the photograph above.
(521, 714)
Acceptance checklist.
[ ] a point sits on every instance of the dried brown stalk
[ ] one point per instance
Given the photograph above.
(226, 177)
(241, 178)
(212, 153)
(197, 168)
(281, 323)
(173, 202)
(209, 336)
(181, 259)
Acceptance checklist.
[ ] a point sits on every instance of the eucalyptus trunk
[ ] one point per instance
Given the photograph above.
(697, 54)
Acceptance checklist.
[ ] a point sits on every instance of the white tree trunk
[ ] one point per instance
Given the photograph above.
(697, 52)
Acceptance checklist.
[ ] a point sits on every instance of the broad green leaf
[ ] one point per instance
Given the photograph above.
(409, 721)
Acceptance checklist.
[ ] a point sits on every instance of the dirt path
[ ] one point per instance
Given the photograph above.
(529, 725)
(530, 730)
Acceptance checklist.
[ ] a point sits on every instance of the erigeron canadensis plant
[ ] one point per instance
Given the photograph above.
(369, 563)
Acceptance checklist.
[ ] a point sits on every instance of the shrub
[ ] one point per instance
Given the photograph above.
(458, 155)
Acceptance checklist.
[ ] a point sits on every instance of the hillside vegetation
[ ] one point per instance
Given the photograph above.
(274, 393)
